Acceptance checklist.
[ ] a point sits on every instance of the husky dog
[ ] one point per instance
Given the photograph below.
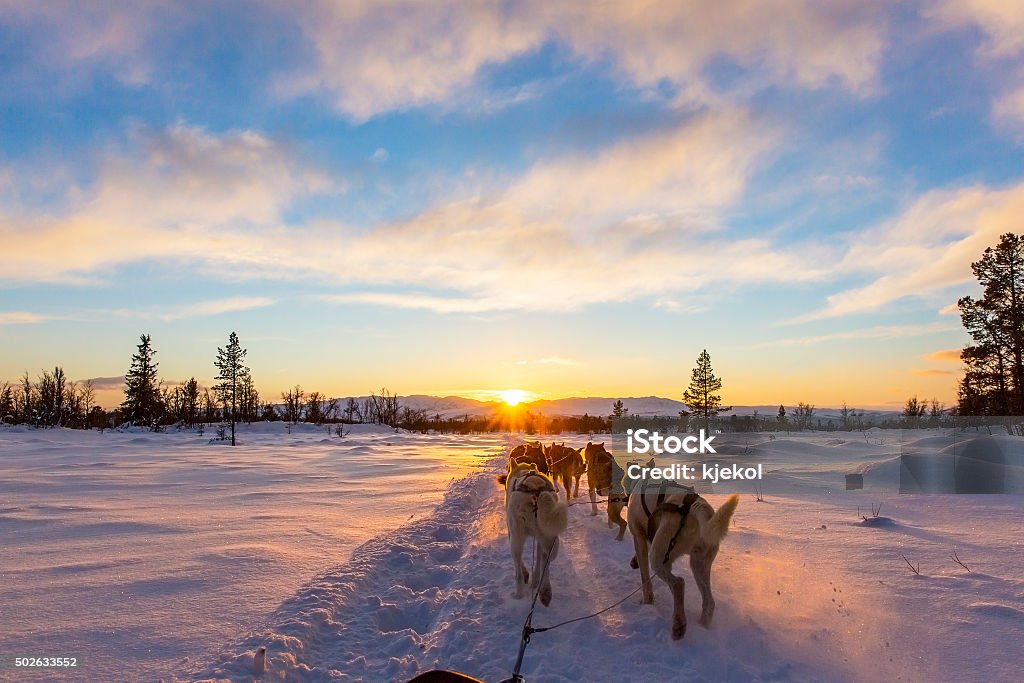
(669, 521)
(529, 453)
(532, 508)
(604, 477)
(565, 464)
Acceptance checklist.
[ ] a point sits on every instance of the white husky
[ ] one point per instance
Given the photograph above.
(533, 509)
(670, 522)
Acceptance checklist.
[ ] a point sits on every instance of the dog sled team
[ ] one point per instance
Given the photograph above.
(666, 520)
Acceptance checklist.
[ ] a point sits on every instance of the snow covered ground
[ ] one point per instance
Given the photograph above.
(144, 553)
(806, 589)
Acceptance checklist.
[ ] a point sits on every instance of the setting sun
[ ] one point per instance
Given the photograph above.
(514, 397)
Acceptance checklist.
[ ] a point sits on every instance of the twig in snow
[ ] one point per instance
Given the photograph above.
(916, 570)
(959, 562)
(875, 509)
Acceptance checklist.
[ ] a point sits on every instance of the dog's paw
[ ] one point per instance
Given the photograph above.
(678, 630)
(545, 596)
(518, 594)
(622, 533)
(594, 513)
(633, 563)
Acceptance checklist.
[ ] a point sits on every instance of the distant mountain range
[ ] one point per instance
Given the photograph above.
(647, 406)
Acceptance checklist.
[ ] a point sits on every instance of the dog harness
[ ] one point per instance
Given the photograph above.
(522, 488)
(661, 506)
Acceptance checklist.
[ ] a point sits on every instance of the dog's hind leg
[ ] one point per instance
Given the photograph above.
(640, 546)
(662, 567)
(700, 565)
(516, 542)
(615, 515)
(550, 551)
(593, 498)
(537, 563)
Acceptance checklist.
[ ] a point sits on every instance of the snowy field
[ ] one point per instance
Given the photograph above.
(165, 557)
(147, 553)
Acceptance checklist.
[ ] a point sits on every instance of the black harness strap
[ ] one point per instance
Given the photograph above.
(661, 506)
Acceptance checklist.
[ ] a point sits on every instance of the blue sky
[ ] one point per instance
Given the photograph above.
(454, 197)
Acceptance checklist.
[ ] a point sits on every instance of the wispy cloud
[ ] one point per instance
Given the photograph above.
(617, 224)
(437, 304)
(674, 306)
(367, 58)
(194, 309)
(924, 251)
(106, 383)
(429, 53)
(217, 307)
(177, 195)
(1001, 23)
(21, 318)
(931, 372)
(946, 355)
(874, 332)
(951, 309)
(1008, 108)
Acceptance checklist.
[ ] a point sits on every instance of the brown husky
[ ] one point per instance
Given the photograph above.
(676, 521)
(529, 453)
(604, 477)
(565, 464)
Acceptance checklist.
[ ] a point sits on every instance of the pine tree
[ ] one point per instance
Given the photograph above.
(782, 419)
(618, 409)
(231, 376)
(190, 402)
(142, 403)
(995, 362)
(701, 396)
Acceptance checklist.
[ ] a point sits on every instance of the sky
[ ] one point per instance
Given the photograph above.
(571, 199)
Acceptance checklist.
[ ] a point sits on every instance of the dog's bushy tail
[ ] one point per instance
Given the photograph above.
(552, 514)
(718, 526)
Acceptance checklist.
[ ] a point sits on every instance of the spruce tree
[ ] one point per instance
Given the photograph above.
(701, 396)
(190, 402)
(231, 376)
(142, 403)
(994, 380)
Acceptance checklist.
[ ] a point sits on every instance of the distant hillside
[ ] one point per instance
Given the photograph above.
(455, 406)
